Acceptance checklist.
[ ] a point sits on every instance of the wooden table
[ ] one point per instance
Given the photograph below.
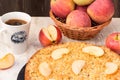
(34, 44)
(37, 7)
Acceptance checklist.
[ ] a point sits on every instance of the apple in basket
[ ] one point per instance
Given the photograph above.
(78, 19)
(82, 8)
(101, 10)
(50, 35)
(62, 8)
(83, 2)
(113, 42)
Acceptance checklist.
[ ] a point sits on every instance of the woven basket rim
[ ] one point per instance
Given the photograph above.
(98, 27)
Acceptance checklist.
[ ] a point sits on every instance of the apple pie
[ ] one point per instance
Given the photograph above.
(73, 61)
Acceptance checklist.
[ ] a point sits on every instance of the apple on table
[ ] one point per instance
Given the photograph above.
(50, 35)
(113, 42)
(7, 61)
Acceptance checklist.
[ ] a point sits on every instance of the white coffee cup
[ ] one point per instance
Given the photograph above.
(15, 36)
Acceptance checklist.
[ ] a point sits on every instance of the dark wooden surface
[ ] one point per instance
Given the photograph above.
(37, 7)
(117, 8)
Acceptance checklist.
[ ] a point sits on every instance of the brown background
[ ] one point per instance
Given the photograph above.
(37, 7)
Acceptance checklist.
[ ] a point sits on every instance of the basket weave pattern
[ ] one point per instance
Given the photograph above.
(78, 34)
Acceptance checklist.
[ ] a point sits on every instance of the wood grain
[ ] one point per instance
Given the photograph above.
(37, 7)
(117, 8)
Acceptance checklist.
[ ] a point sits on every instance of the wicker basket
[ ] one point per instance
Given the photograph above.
(78, 34)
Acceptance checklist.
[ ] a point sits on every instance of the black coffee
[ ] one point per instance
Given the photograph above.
(15, 22)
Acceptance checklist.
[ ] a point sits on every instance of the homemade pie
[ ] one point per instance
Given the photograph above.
(73, 61)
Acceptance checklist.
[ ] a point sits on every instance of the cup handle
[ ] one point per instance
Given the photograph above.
(3, 31)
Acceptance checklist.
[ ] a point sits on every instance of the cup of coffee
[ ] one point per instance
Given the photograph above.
(14, 31)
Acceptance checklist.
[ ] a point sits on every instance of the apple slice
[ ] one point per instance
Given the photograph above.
(7, 61)
(44, 69)
(93, 50)
(77, 66)
(111, 68)
(50, 35)
(51, 79)
(58, 53)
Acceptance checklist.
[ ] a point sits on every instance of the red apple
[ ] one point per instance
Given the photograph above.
(101, 11)
(82, 8)
(78, 19)
(113, 42)
(50, 35)
(62, 8)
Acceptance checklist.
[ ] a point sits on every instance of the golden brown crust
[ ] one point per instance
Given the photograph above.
(61, 68)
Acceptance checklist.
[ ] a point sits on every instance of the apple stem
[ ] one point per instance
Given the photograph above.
(53, 42)
(117, 37)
